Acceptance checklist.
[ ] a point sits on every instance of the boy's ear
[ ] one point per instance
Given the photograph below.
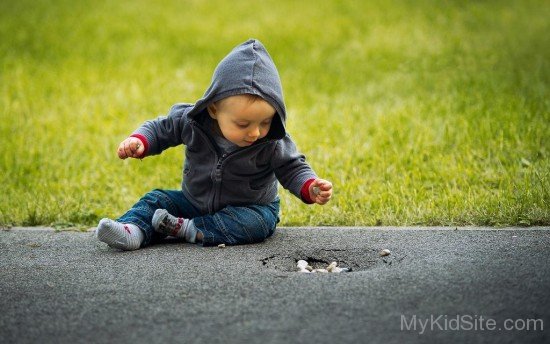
(212, 110)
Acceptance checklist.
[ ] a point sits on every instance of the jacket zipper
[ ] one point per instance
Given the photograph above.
(217, 179)
(217, 173)
(213, 148)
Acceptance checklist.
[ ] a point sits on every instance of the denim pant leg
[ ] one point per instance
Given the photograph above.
(142, 212)
(238, 225)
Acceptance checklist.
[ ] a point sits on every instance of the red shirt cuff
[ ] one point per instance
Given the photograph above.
(304, 192)
(143, 140)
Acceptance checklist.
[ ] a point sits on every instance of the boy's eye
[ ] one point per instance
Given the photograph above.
(242, 125)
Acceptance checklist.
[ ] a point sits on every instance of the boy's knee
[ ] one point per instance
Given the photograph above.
(258, 223)
(157, 198)
(237, 225)
(155, 194)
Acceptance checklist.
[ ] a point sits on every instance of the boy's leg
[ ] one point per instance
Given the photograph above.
(142, 212)
(238, 225)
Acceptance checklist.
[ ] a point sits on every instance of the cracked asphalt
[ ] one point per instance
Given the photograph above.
(438, 285)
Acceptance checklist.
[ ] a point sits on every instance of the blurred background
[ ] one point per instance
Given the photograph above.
(419, 112)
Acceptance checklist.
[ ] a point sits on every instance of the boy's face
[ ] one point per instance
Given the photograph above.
(243, 119)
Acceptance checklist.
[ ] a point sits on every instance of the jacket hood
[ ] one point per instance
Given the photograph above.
(247, 69)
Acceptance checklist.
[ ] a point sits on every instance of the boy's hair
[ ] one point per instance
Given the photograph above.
(250, 97)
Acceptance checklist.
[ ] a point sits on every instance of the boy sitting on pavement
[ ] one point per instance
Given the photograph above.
(236, 151)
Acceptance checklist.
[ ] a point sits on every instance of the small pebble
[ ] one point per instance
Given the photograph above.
(302, 264)
(320, 270)
(331, 266)
(221, 246)
(316, 190)
(385, 252)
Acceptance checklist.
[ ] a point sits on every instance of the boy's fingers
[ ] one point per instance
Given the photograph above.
(127, 149)
(325, 185)
(134, 147)
(120, 152)
(140, 149)
(318, 182)
(322, 201)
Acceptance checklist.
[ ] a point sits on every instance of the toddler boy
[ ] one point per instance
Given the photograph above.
(236, 152)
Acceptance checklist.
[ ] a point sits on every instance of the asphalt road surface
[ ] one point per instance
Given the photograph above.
(437, 285)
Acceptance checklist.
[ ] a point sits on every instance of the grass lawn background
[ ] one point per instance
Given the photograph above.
(419, 112)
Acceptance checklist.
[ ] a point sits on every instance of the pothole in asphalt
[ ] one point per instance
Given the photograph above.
(355, 259)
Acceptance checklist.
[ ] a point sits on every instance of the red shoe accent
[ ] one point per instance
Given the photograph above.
(127, 229)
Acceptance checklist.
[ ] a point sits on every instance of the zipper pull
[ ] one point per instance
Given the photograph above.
(220, 161)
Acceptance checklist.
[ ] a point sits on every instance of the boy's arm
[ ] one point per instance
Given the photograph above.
(156, 135)
(292, 170)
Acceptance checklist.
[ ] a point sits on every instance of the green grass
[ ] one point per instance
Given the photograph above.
(420, 112)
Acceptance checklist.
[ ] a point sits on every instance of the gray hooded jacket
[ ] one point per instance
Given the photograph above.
(213, 180)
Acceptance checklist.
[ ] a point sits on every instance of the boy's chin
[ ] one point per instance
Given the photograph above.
(246, 143)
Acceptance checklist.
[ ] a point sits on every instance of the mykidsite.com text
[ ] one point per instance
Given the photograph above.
(444, 322)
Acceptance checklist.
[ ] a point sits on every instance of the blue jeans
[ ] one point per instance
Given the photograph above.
(231, 225)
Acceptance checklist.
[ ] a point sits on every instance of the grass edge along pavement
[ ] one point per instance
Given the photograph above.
(85, 229)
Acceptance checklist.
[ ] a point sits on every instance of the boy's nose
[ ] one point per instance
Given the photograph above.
(254, 133)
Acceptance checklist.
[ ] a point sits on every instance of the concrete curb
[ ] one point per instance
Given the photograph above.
(321, 228)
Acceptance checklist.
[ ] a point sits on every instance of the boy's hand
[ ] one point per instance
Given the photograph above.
(132, 147)
(320, 191)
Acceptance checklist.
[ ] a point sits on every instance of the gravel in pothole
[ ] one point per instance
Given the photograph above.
(355, 259)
